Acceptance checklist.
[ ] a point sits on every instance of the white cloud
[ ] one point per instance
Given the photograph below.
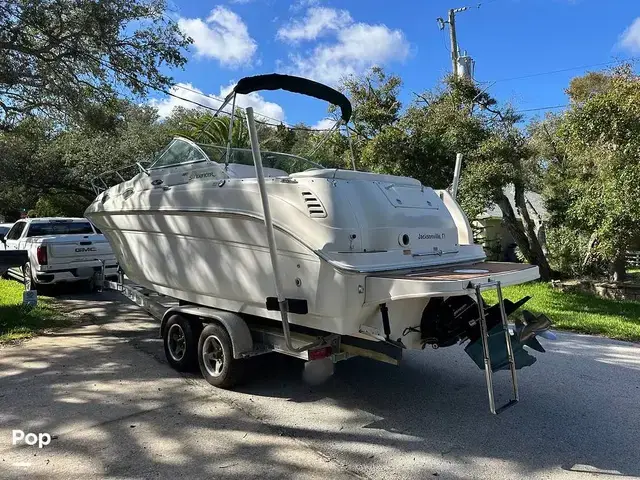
(301, 4)
(166, 105)
(191, 94)
(324, 124)
(223, 36)
(240, 2)
(357, 47)
(630, 38)
(318, 20)
(255, 100)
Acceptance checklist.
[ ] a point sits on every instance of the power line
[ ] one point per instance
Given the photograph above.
(167, 92)
(208, 107)
(444, 42)
(220, 99)
(552, 107)
(551, 72)
(281, 122)
(488, 2)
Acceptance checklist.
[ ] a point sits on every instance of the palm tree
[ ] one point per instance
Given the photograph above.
(215, 130)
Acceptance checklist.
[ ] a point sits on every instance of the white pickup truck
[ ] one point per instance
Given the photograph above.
(59, 250)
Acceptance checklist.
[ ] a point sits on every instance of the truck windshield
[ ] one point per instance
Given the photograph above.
(62, 228)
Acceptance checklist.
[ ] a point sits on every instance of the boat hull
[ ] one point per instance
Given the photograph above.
(223, 261)
(196, 233)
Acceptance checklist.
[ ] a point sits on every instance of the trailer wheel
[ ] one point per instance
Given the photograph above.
(180, 343)
(215, 356)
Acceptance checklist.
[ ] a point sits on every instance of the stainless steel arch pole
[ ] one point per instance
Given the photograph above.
(271, 237)
(230, 139)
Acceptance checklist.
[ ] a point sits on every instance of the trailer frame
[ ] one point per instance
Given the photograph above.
(250, 337)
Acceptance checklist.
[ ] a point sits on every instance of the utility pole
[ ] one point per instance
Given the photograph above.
(454, 42)
(451, 20)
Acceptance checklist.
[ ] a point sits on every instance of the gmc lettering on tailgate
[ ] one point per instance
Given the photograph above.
(86, 249)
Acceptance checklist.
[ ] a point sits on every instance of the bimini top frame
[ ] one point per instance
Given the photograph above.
(290, 83)
(295, 85)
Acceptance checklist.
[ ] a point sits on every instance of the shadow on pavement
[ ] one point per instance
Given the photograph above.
(119, 410)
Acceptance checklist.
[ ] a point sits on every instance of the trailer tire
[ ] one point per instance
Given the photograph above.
(180, 339)
(215, 357)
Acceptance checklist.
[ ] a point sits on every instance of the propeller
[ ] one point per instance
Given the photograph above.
(548, 334)
(532, 326)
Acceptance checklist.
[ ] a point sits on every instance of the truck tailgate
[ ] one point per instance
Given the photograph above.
(77, 248)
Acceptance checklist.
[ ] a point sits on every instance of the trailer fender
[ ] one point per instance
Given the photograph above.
(241, 339)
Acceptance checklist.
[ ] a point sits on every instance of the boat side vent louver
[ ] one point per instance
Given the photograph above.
(314, 206)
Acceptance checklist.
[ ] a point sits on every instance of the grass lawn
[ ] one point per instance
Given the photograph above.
(18, 321)
(577, 311)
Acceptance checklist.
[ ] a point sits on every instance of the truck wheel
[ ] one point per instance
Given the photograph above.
(29, 284)
(180, 343)
(215, 356)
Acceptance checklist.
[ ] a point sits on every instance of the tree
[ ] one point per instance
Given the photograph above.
(202, 127)
(375, 98)
(595, 189)
(65, 57)
(583, 88)
(41, 163)
(422, 142)
(505, 159)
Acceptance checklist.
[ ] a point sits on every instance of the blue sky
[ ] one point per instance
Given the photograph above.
(324, 40)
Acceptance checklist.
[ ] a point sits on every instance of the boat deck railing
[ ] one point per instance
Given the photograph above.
(216, 154)
(110, 178)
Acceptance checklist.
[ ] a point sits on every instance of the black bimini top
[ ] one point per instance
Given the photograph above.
(276, 81)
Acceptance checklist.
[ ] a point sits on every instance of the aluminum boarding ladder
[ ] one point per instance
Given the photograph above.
(484, 335)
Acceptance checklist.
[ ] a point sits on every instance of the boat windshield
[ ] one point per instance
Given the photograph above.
(244, 156)
(179, 152)
(182, 151)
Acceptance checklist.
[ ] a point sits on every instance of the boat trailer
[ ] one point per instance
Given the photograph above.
(220, 341)
(252, 336)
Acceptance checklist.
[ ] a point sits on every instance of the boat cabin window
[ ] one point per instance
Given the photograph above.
(179, 152)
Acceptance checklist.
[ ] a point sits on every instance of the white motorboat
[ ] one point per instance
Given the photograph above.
(370, 256)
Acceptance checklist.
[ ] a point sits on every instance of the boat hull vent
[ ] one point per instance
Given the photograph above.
(314, 206)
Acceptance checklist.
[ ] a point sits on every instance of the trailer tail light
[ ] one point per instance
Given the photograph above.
(320, 353)
(41, 255)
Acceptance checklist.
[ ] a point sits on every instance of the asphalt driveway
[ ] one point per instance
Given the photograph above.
(105, 391)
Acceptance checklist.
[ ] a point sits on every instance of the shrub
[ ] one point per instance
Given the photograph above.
(567, 249)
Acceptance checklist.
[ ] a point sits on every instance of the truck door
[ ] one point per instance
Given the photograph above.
(13, 238)
(12, 242)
